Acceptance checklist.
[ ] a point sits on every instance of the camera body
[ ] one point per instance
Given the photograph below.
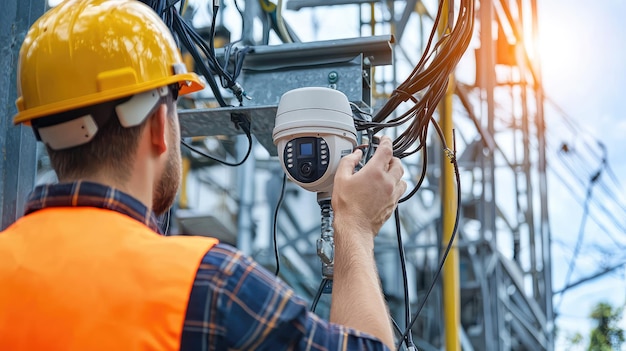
(314, 129)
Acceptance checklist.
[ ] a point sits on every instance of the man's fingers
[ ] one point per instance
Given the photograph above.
(399, 190)
(395, 168)
(348, 162)
(383, 154)
(385, 140)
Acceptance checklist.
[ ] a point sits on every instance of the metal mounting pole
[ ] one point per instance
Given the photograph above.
(326, 243)
(491, 306)
(451, 293)
(544, 226)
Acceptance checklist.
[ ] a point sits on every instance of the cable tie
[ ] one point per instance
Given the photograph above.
(450, 154)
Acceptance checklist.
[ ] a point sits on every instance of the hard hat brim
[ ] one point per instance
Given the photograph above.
(189, 83)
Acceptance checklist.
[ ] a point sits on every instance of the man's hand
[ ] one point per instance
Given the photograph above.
(366, 199)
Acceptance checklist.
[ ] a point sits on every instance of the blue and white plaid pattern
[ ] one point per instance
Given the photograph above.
(234, 303)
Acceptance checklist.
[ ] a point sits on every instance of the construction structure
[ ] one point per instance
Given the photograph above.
(497, 293)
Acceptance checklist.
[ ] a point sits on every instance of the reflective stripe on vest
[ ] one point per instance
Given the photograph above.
(93, 279)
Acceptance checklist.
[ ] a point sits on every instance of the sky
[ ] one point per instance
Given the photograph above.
(587, 72)
(583, 49)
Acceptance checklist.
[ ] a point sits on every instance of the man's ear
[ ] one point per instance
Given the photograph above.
(157, 125)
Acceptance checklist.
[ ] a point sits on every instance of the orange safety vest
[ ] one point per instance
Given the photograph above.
(93, 279)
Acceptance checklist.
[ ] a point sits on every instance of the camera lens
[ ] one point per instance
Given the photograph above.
(306, 169)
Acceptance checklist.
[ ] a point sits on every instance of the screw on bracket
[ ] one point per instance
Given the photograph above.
(333, 77)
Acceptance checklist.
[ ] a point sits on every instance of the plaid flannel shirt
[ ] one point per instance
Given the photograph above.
(234, 303)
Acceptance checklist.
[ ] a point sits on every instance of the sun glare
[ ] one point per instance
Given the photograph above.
(563, 57)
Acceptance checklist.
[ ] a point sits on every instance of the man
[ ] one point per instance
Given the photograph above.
(85, 268)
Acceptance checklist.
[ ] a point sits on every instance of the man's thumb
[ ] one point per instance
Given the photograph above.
(348, 162)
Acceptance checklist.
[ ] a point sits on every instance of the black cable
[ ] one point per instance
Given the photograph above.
(239, 55)
(396, 327)
(181, 30)
(418, 185)
(275, 223)
(227, 79)
(408, 340)
(192, 41)
(320, 290)
(180, 27)
(429, 79)
(238, 9)
(226, 163)
(457, 176)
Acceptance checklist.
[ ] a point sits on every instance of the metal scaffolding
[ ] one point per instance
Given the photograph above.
(504, 238)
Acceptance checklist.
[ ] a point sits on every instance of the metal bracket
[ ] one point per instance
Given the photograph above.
(270, 71)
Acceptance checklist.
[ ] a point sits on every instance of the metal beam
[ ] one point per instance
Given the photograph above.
(17, 144)
(351, 77)
(493, 324)
(270, 71)
(409, 8)
(377, 49)
(217, 121)
(544, 224)
(296, 5)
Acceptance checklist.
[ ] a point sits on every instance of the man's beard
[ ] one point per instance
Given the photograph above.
(167, 187)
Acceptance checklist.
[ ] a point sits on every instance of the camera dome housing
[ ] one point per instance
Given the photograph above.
(314, 129)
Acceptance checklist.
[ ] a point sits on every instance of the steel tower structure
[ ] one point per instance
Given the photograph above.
(504, 235)
(503, 240)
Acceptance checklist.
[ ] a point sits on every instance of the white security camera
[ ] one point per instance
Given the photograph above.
(314, 129)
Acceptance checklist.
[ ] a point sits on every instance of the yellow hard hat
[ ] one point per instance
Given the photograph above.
(85, 52)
